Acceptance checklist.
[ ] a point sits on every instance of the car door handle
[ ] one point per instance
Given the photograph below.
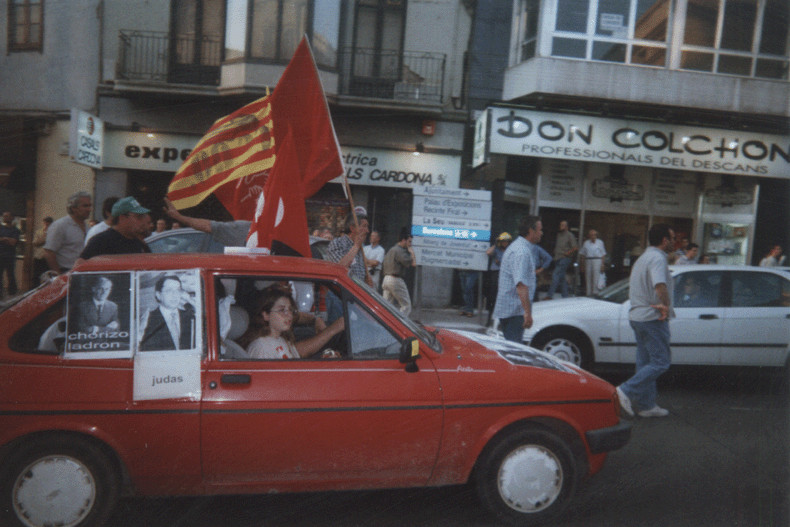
(708, 317)
(236, 378)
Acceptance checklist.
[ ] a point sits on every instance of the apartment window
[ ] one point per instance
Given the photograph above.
(272, 29)
(737, 37)
(277, 28)
(622, 31)
(25, 25)
(528, 28)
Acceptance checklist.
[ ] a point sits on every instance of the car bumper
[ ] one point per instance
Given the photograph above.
(610, 438)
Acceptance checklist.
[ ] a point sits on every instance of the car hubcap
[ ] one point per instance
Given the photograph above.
(530, 478)
(54, 490)
(565, 350)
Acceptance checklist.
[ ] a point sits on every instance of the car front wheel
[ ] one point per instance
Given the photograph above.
(567, 346)
(60, 482)
(527, 477)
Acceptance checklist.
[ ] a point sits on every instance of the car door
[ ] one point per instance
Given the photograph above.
(757, 320)
(696, 331)
(313, 423)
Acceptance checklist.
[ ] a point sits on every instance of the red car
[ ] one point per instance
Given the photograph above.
(132, 375)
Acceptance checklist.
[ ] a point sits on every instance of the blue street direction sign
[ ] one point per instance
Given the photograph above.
(451, 207)
(451, 227)
(456, 259)
(448, 232)
(453, 223)
(447, 243)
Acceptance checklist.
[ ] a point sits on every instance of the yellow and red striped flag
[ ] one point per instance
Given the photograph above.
(238, 146)
(234, 158)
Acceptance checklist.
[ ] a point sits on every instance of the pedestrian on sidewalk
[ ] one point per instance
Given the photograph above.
(651, 308)
(517, 281)
(565, 249)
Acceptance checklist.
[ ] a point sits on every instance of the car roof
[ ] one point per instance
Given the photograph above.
(236, 263)
(722, 267)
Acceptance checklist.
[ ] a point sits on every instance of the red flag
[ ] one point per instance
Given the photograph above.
(281, 221)
(233, 162)
(299, 100)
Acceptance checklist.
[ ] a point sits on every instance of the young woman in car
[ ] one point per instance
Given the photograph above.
(276, 339)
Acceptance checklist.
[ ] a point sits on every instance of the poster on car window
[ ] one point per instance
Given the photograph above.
(169, 311)
(99, 318)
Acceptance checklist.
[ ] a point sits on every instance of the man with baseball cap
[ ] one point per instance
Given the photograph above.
(129, 223)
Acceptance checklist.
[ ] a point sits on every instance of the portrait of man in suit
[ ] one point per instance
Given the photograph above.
(98, 314)
(170, 326)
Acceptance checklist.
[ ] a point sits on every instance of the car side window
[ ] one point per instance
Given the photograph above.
(369, 338)
(44, 334)
(240, 304)
(756, 289)
(697, 289)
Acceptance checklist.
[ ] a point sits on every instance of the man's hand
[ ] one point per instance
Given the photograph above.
(170, 209)
(527, 320)
(662, 309)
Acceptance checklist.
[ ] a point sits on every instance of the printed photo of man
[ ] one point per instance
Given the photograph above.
(171, 325)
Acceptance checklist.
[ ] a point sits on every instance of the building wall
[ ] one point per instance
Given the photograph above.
(65, 74)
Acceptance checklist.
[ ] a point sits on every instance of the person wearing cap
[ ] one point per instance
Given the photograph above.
(495, 253)
(129, 223)
(564, 250)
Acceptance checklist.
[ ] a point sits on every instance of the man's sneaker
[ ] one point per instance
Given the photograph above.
(625, 402)
(656, 411)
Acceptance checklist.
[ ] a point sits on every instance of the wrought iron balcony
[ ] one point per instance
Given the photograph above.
(160, 57)
(403, 76)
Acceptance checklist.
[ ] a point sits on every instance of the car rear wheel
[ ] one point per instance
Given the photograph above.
(527, 477)
(61, 482)
(568, 346)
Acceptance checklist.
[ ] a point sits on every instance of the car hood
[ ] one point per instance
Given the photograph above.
(515, 353)
(576, 305)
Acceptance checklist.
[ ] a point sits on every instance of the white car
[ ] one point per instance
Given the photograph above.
(725, 315)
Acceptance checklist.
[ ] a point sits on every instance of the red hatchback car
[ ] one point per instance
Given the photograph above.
(132, 375)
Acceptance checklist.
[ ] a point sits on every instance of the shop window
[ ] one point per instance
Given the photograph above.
(25, 25)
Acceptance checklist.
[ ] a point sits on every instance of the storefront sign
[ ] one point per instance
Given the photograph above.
(480, 146)
(674, 193)
(560, 184)
(86, 139)
(602, 140)
(390, 168)
(519, 193)
(629, 192)
(448, 226)
(147, 151)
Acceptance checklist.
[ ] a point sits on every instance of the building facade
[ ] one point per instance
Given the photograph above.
(156, 75)
(618, 114)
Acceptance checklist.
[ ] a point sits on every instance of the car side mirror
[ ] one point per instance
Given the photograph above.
(409, 353)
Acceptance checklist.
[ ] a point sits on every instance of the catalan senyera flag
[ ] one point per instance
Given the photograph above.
(238, 147)
(234, 159)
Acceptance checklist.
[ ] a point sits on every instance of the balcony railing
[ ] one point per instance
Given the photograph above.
(404, 76)
(159, 57)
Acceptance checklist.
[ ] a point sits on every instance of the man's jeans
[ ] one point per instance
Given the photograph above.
(468, 283)
(513, 328)
(652, 359)
(559, 279)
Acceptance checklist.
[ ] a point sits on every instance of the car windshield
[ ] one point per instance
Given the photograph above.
(617, 292)
(418, 331)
